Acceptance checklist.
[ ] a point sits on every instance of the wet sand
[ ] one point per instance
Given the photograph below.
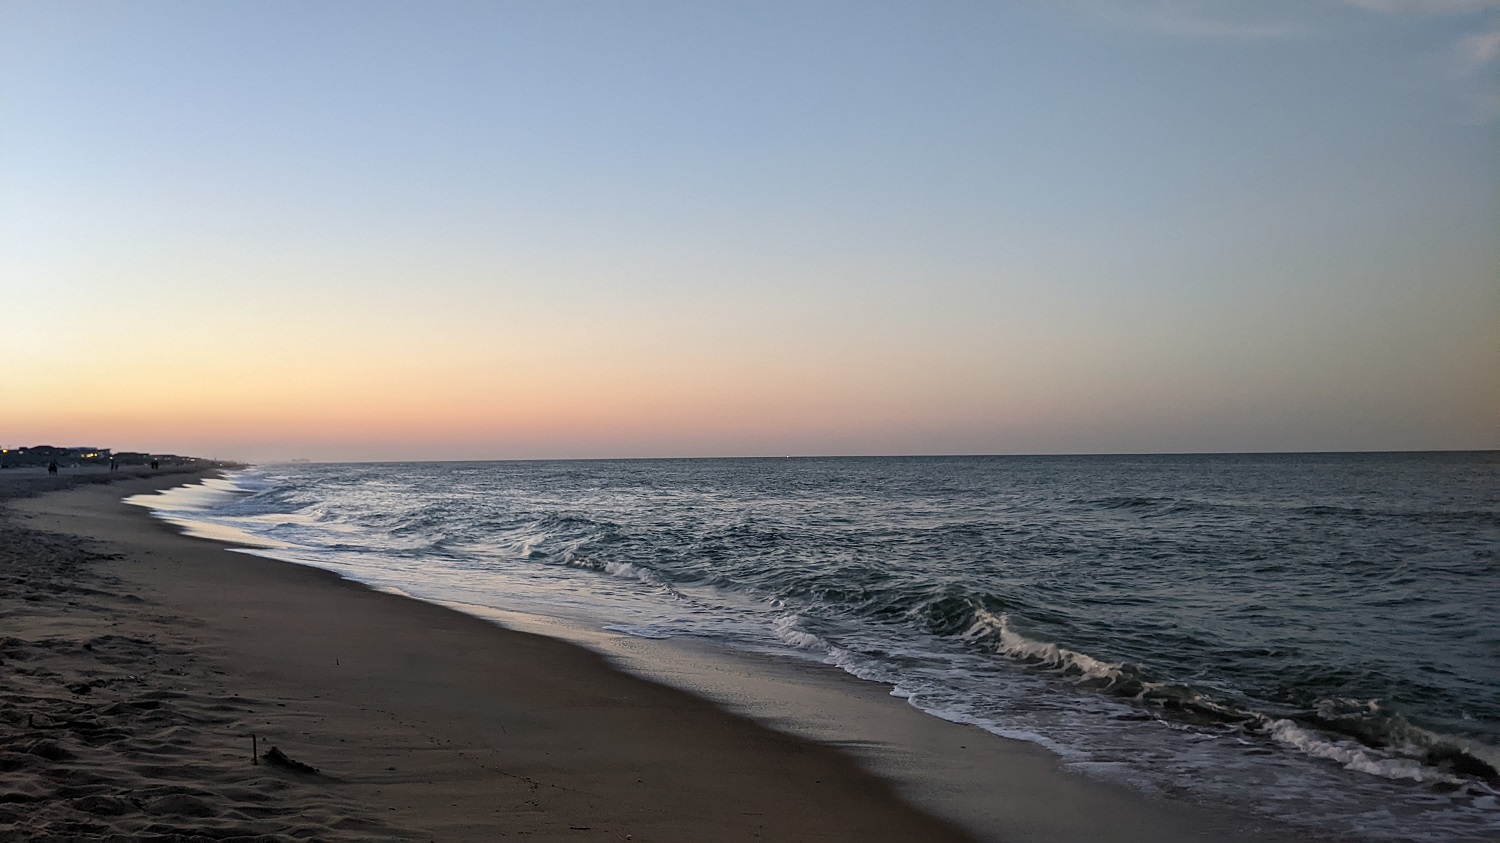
(138, 663)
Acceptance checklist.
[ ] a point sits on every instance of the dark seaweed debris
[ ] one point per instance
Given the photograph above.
(275, 757)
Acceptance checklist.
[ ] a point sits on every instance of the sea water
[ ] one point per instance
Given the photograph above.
(1313, 637)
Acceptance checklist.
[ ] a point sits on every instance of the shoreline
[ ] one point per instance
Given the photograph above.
(409, 704)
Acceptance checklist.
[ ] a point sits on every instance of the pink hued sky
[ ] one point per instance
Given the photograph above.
(467, 231)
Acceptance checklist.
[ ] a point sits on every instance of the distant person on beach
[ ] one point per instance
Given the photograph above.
(52, 467)
(154, 465)
(112, 467)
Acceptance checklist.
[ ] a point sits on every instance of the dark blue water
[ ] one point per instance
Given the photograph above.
(1315, 637)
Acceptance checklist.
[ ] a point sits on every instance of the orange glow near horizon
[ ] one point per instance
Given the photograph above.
(419, 239)
(372, 383)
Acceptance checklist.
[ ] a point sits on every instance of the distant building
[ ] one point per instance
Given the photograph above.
(41, 455)
(44, 454)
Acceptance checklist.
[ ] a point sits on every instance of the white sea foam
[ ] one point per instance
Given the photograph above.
(788, 628)
(1353, 756)
(624, 570)
(629, 571)
(860, 667)
(209, 493)
(988, 626)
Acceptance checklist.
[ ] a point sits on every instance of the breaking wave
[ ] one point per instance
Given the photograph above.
(1295, 628)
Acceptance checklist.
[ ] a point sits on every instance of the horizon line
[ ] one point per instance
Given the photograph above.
(1412, 451)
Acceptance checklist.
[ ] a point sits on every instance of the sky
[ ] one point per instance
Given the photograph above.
(375, 230)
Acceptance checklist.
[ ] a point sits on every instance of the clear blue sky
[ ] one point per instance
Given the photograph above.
(486, 229)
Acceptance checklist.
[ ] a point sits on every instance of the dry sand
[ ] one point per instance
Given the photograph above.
(137, 663)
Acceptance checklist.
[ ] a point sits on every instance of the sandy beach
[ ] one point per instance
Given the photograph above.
(161, 687)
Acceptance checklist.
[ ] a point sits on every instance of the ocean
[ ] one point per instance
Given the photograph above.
(1310, 637)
